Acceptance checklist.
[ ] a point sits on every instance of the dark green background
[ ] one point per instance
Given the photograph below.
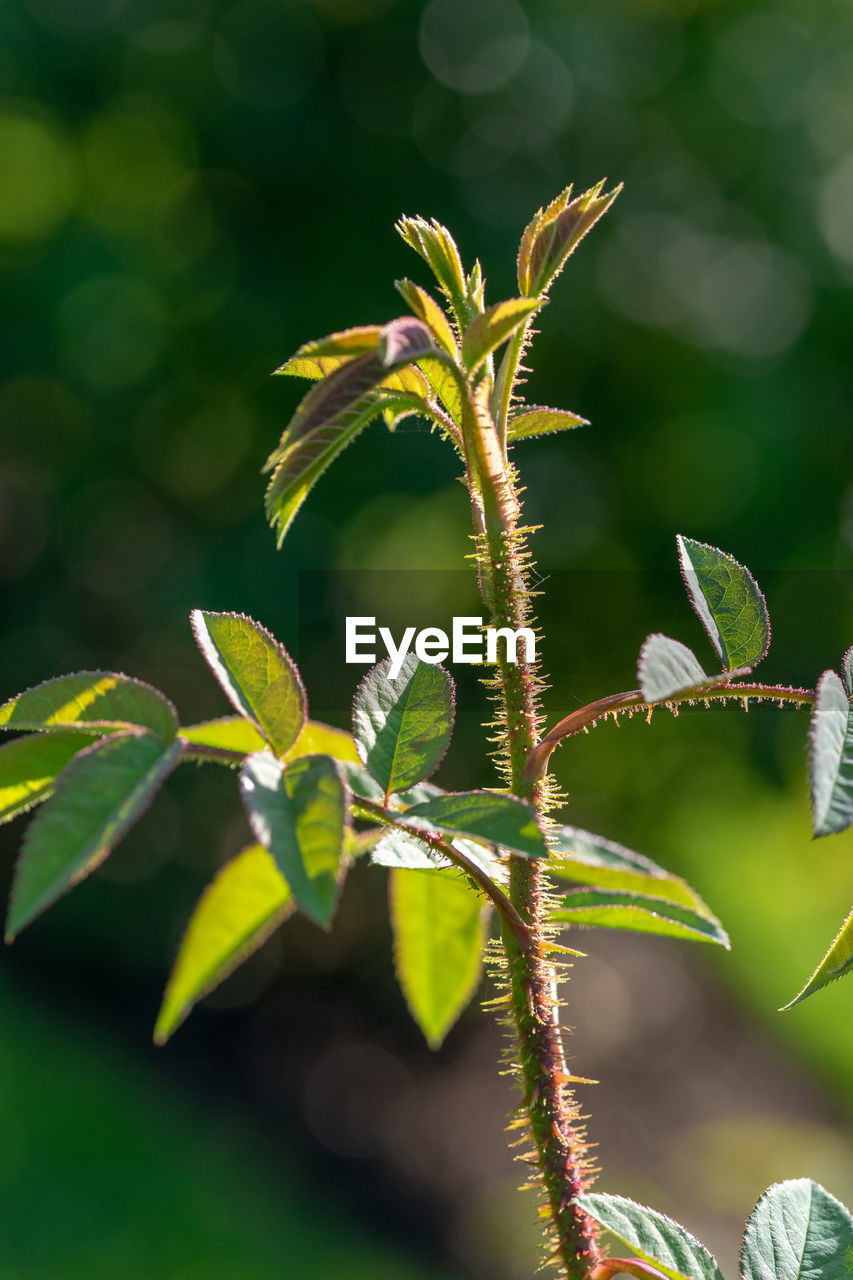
(189, 191)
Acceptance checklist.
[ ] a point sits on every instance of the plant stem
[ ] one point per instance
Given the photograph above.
(560, 1146)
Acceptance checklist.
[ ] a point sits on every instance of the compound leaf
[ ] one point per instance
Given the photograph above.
(728, 603)
(439, 926)
(837, 961)
(831, 757)
(494, 326)
(666, 666)
(402, 726)
(589, 859)
(486, 815)
(298, 812)
(91, 700)
(245, 903)
(798, 1231)
(28, 768)
(639, 913)
(654, 1236)
(256, 673)
(97, 798)
(539, 421)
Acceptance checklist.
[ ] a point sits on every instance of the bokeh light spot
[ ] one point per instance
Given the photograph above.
(111, 330)
(474, 46)
(39, 177)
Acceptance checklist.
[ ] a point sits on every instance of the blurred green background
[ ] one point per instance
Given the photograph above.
(190, 189)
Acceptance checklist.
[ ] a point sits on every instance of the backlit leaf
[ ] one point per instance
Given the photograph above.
(225, 733)
(427, 309)
(639, 913)
(443, 383)
(837, 961)
(499, 819)
(298, 812)
(438, 249)
(91, 700)
(402, 727)
(494, 326)
(404, 340)
(97, 798)
(439, 926)
(398, 848)
(728, 603)
(539, 421)
(653, 1236)
(258, 677)
(831, 757)
(847, 671)
(555, 233)
(798, 1231)
(589, 859)
(321, 356)
(318, 739)
(666, 666)
(28, 767)
(238, 911)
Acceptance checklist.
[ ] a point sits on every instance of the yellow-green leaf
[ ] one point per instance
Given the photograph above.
(494, 326)
(540, 421)
(28, 768)
(439, 925)
(238, 911)
(837, 961)
(91, 700)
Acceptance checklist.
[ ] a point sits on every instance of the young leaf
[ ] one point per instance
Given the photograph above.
(666, 666)
(426, 308)
(654, 1236)
(728, 603)
(540, 421)
(837, 961)
(238, 911)
(439, 926)
(485, 815)
(589, 859)
(639, 913)
(798, 1231)
(438, 249)
(326, 402)
(258, 677)
(225, 733)
(322, 356)
(92, 700)
(555, 232)
(97, 798)
(298, 811)
(831, 757)
(402, 726)
(403, 341)
(28, 768)
(300, 464)
(318, 739)
(397, 848)
(443, 383)
(494, 326)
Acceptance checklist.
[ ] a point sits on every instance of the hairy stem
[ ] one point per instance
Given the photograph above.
(560, 1154)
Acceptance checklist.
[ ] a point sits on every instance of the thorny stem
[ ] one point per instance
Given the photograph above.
(560, 1154)
(584, 717)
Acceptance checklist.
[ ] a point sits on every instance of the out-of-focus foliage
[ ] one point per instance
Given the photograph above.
(192, 189)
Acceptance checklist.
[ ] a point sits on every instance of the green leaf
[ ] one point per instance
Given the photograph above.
(426, 308)
(439, 926)
(798, 1231)
(225, 733)
(246, 902)
(322, 356)
(539, 421)
(443, 383)
(97, 798)
(438, 249)
(318, 739)
(402, 726)
(831, 757)
(652, 1236)
(728, 603)
(555, 232)
(639, 913)
(91, 700)
(494, 326)
(403, 341)
(398, 848)
(666, 666)
(28, 768)
(485, 815)
(298, 812)
(589, 859)
(259, 678)
(300, 464)
(847, 671)
(837, 961)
